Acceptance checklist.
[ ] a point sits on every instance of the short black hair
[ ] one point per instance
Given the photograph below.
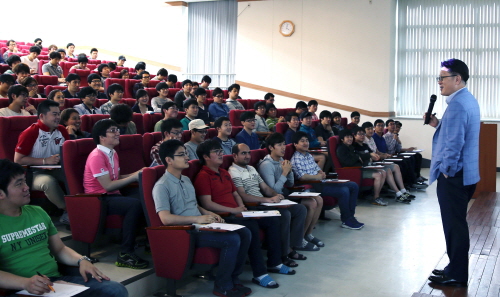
(259, 104)
(70, 44)
(388, 122)
(112, 66)
(207, 79)
(195, 84)
(344, 133)
(27, 81)
(398, 123)
(187, 81)
(219, 121)
(55, 55)
(72, 76)
(13, 59)
(167, 105)
(200, 91)
(16, 90)
(123, 72)
(325, 114)
(53, 93)
(93, 76)
(121, 113)
(298, 136)
(355, 114)
(168, 148)
(45, 106)
(61, 50)
(268, 96)
(274, 139)
(366, 125)
(378, 121)
(217, 91)
(233, 86)
(35, 49)
(161, 85)
(140, 66)
(100, 129)
(290, 115)
(101, 67)
(8, 171)
(169, 124)
(456, 66)
(141, 93)
(236, 148)
(37, 39)
(85, 91)
(93, 50)
(144, 72)
(269, 106)
(113, 88)
(8, 42)
(21, 68)
(172, 78)
(312, 102)
(205, 147)
(7, 78)
(189, 102)
(336, 114)
(65, 114)
(82, 59)
(247, 115)
(301, 105)
(162, 72)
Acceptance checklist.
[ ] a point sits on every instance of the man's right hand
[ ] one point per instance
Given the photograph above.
(52, 160)
(206, 219)
(37, 285)
(434, 121)
(286, 166)
(238, 209)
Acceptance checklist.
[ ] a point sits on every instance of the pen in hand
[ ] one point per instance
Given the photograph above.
(50, 287)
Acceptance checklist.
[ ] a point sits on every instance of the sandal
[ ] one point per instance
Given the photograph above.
(266, 282)
(296, 256)
(307, 246)
(283, 270)
(289, 262)
(317, 242)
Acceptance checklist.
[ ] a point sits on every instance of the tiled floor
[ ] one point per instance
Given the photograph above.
(391, 257)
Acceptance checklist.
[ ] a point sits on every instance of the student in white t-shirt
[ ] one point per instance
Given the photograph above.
(18, 103)
(31, 59)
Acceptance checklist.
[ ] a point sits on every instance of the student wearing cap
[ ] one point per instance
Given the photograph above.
(191, 108)
(121, 61)
(246, 135)
(73, 86)
(198, 133)
(355, 119)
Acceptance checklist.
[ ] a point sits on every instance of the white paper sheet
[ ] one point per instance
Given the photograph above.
(394, 159)
(304, 194)
(46, 166)
(221, 226)
(408, 154)
(374, 167)
(261, 213)
(62, 290)
(384, 163)
(282, 202)
(335, 180)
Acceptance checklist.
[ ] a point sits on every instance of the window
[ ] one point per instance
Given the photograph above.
(432, 31)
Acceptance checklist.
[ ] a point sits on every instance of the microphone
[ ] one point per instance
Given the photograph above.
(429, 110)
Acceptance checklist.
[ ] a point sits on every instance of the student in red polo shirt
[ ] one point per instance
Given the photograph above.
(216, 192)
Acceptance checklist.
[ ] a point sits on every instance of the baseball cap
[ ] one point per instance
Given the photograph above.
(197, 124)
(122, 58)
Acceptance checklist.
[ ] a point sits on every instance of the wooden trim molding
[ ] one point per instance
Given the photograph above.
(149, 62)
(176, 3)
(376, 114)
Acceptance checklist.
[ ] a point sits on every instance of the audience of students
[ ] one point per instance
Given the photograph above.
(246, 135)
(53, 68)
(82, 63)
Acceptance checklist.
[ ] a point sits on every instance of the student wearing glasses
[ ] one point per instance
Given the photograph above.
(32, 85)
(88, 97)
(145, 78)
(169, 111)
(18, 103)
(170, 129)
(95, 82)
(218, 108)
(246, 135)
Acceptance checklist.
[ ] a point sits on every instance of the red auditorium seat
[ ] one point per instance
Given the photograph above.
(42, 57)
(129, 101)
(152, 83)
(66, 66)
(172, 92)
(281, 127)
(96, 62)
(46, 80)
(251, 103)
(108, 82)
(49, 88)
(4, 102)
(314, 123)
(343, 122)
(129, 87)
(235, 130)
(256, 156)
(149, 121)
(151, 93)
(181, 115)
(209, 93)
(173, 247)
(10, 128)
(148, 141)
(3, 68)
(40, 65)
(83, 74)
(20, 54)
(88, 121)
(234, 116)
(178, 85)
(351, 173)
(114, 74)
(186, 136)
(130, 152)
(282, 112)
(226, 94)
(92, 66)
(137, 119)
(100, 102)
(71, 102)
(244, 102)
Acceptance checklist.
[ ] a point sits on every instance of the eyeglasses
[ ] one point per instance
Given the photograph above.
(113, 130)
(96, 81)
(250, 120)
(32, 85)
(173, 108)
(379, 125)
(182, 155)
(218, 152)
(440, 78)
(219, 96)
(176, 132)
(90, 96)
(23, 95)
(201, 131)
(146, 77)
(361, 133)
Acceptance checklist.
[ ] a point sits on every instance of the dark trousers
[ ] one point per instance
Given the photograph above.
(346, 193)
(233, 249)
(133, 216)
(292, 222)
(453, 199)
(271, 227)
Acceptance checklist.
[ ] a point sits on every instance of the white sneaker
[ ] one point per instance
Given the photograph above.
(380, 202)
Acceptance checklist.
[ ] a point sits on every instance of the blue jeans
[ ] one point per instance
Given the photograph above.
(233, 247)
(346, 193)
(97, 289)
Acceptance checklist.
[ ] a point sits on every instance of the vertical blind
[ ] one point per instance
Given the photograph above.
(431, 31)
(212, 29)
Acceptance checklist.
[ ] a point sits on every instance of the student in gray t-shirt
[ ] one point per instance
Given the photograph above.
(198, 132)
(53, 68)
(175, 202)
